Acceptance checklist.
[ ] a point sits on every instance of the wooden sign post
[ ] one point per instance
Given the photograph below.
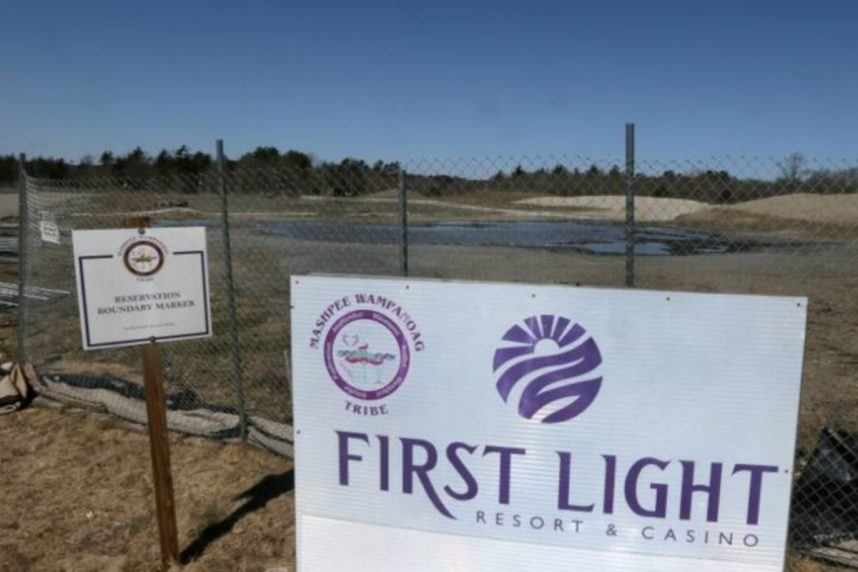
(159, 444)
(141, 286)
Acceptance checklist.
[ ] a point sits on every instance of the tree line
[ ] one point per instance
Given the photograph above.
(265, 168)
(790, 175)
(268, 170)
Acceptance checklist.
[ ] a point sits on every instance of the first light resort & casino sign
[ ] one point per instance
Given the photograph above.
(443, 426)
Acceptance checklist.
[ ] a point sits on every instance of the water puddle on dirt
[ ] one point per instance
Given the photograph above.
(591, 237)
(586, 237)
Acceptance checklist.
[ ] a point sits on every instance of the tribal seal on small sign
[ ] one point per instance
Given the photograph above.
(143, 257)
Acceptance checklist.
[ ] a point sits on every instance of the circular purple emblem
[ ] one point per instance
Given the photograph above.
(552, 361)
(366, 354)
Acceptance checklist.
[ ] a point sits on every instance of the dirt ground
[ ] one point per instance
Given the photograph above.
(8, 203)
(80, 483)
(77, 496)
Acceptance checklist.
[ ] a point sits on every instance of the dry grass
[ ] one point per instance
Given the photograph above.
(78, 496)
(801, 564)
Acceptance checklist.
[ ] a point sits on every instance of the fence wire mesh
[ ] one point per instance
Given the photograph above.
(740, 225)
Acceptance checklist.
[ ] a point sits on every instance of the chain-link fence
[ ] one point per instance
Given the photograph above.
(743, 225)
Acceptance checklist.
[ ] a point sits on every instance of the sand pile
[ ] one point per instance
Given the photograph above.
(604, 207)
(829, 209)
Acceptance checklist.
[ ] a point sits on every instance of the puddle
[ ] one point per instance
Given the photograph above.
(589, 237)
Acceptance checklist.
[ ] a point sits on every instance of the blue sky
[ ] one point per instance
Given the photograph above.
(431, 79)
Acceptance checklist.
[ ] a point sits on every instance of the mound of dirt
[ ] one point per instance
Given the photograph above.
(805, 207)
(613, 207)
(386, 194)
(829, 209)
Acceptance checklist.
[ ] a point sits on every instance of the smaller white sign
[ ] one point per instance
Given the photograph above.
(50, 231)
(134, 286)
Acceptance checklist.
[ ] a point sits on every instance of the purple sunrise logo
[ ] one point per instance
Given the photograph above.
(553, 361)
(366, 355)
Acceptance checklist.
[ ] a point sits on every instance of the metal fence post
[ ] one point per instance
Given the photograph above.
(403, 222)
(23, 261)
(630, 205)
(237, 370)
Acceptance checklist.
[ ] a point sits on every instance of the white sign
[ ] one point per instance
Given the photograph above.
(49, 231)
(443, 426)
(134, 287)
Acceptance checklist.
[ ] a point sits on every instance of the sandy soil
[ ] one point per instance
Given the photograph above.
(613, 208)
(831, 209)
(496, 212)
(8, 204)
(828, 209)
(88, 210)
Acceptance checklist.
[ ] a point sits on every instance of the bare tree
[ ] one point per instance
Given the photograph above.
(794, 168)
